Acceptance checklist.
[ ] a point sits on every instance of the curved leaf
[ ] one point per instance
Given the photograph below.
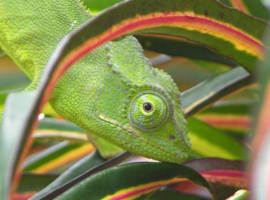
(58, 130)
(234, 119)
(131, 181)
(239, 195)
(178, 47)
(95, 6)
(224, 176)
(41, 180)
(210, 164)
(232, 38)
(69, 184)
(214, 88)
(11, 142)
(251, 7)
(209, 142)
(77, 169)
(56, 156)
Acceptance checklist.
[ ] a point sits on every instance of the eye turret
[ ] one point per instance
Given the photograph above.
(148, 111)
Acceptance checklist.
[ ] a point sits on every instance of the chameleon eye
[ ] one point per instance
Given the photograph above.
(148, 107)
(148, 111)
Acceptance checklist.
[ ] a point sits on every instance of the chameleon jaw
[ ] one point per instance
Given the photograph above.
(162, 153)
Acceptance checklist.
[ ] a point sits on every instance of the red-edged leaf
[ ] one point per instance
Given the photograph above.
(224, 176)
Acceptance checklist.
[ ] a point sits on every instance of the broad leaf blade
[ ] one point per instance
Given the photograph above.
(224, 176)
(56, 157)
(11, 142)
(95, 6)
(209, 142)
(77, 169)
(69, 184)
(178, 47)
(131, 181)
(233, 119)
(34, 182)
(58, 130)
(214, 88)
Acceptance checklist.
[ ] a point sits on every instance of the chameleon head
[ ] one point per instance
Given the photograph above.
(156, 122)
(126, 102)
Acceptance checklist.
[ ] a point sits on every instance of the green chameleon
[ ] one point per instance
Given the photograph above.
(113, 93)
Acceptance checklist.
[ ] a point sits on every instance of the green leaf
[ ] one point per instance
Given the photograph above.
(56, 156)
(176, 47)
(240, 195)
(213, 89)
(95, 6)
(77, 169)
(209, 24)
(211, 164)
(251, 7)
(11, 140)
(58, 130)
(234, 119)
(185, 73)
(40, 181)
(209, 142)
(224, 176)
(80, 168)
(131, 180)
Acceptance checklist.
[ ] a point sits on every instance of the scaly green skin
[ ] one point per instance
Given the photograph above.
(98, 92)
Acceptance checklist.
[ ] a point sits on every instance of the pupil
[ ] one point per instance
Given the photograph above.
(147, 107)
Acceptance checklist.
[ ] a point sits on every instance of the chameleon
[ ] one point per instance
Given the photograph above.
(113, 93)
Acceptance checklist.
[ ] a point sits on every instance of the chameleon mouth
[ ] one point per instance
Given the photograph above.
(131, 130)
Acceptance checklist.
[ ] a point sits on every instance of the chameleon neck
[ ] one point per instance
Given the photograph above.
(31, 31)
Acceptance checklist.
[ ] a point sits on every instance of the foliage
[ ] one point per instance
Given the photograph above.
(213, 69)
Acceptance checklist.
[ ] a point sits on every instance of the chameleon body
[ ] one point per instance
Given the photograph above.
(113, 93)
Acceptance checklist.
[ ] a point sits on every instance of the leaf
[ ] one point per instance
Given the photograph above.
(77, 169)
(12, 143)
(56, 156)
(233, 39)
(173, 195)
(179, 47)
(69, 184)
(209, 142)
(233, 119)
(95, 6)
(41, 180)
(185, 73)
(58, 130)
(131, 181)
(251, 7)
(224, 176)
(214, 88)
(210, 164)
(239, 195)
